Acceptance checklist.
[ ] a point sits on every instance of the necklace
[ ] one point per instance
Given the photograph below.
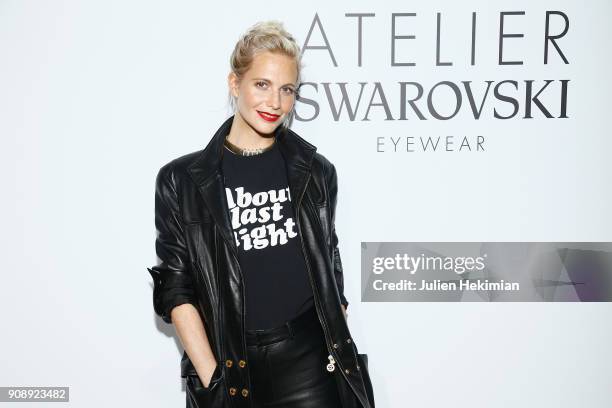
(248, 151)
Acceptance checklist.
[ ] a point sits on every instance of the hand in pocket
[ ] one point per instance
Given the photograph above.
(206, 395)
(209, 375)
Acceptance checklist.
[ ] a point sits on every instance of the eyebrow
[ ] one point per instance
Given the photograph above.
(267, 80)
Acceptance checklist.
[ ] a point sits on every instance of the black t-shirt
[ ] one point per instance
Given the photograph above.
(277, 285)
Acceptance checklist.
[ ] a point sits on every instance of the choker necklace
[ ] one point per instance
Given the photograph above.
(247, 152)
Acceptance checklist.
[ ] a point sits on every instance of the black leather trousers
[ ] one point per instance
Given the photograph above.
(288, 365)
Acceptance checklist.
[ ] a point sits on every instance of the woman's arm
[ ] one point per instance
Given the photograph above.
(174, 297)
(192, 334)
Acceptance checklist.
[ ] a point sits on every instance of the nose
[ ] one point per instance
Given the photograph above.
(274, 99)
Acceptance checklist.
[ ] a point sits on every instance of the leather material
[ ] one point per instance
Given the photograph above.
(199, 265)
(307, 320)
(288, 366)
(200, 396)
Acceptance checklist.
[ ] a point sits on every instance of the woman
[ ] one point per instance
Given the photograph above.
(249, 271)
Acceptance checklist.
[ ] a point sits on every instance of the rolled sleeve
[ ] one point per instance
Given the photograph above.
(172, 281)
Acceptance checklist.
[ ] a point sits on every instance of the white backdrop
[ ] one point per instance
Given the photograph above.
(96, 96)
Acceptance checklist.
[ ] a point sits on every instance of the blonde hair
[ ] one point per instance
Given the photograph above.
(264, 36)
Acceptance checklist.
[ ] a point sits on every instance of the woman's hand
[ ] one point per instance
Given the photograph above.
(190, 329)
(207, 373)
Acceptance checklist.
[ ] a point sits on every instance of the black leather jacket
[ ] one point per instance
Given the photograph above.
(199, 264)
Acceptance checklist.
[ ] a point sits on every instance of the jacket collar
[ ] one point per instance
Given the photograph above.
(207, 175)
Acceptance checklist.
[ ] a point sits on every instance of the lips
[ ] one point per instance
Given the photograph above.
(268, 116)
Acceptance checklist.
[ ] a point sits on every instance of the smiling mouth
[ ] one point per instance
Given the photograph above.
(268, 116)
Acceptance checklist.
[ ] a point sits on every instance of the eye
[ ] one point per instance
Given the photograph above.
(260, 84)
(289, 91)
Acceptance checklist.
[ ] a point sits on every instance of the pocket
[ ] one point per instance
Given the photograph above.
(204, 397)
(197, 384)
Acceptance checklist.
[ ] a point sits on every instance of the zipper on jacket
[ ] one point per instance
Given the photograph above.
(329, 366)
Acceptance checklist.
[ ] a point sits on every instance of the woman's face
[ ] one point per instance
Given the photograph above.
(266, 93)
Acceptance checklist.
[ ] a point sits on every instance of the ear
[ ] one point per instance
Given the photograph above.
(233, 83)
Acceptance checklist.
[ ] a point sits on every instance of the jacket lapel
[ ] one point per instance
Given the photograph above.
(207, 175)
(298, 155)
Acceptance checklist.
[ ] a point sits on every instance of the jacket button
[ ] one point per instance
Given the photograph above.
(242, 363)
(348, 340)
(335, 345)
(358, 368)
(232, 391)
(346, 370)
(228, 363)
(245, 392)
